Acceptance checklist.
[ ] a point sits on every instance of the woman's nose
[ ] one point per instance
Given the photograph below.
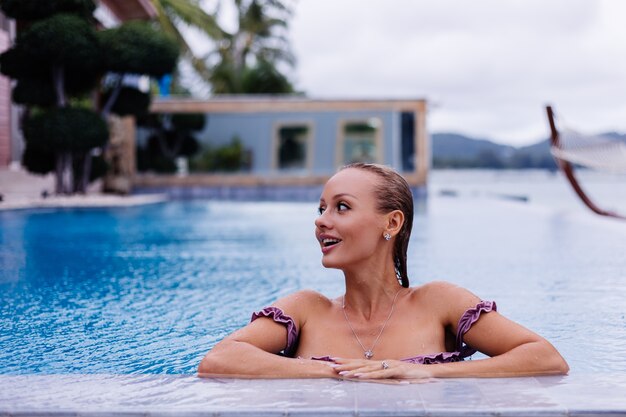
(322, 221)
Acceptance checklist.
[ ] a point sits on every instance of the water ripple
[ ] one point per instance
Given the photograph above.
(150, 290)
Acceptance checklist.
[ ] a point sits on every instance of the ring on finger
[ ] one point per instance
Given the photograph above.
(385, 365)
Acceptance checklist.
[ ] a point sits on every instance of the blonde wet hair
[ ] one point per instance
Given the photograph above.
(393, 193)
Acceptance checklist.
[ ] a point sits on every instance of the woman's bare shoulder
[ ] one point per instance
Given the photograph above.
(303, 303)
(303, 296)
(444, 289)
(434, 289)
(449, 299)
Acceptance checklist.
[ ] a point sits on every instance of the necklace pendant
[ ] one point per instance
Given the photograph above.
(369, 354)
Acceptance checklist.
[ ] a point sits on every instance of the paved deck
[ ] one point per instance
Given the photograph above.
(187, 395)
(22, 190)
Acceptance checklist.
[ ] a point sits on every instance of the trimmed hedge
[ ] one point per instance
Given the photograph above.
(66, 129)
(130, 101)
(39, 9)
(139, 48)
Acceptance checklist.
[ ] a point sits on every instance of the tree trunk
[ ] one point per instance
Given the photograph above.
(58, 171)
(63, 178)
(84, 179)
(68, 183)
(58, 78)
(77, 160)
(115, 92)
(105, 113)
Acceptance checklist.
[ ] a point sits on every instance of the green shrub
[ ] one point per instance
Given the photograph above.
(65, 40)
(34, 91)
(188, 121)
(159, 164)
(226, 158)
(66, 129)
(39, 9)
(130, 101)
(139, 48)
(38, 161)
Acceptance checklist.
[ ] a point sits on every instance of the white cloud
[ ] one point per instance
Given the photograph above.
(489, 66)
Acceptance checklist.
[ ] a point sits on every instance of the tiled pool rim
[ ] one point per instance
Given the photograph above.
(188, 395)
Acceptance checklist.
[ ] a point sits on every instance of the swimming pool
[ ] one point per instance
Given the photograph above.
(151, 289)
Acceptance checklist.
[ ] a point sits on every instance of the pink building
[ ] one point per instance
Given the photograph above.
(109, 13)
(6, 29)
(113, 12)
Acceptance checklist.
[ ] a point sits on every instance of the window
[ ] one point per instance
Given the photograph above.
(359, 141)
(407, 138)
(292, 151)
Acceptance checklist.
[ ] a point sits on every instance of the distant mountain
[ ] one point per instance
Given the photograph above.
(539, 148)
(615, 135)
(458, 146)
(453, 150)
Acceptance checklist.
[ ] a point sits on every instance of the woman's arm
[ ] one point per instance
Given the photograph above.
(513, 349)
(251, 352)
(243, 355)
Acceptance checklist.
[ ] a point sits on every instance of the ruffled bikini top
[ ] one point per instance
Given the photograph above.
(462, 351)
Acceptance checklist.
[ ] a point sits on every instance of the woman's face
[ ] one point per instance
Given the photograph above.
(349, 228)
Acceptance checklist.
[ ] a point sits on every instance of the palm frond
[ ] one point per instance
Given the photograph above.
(192, 14)
(168, 26)
(246, 60)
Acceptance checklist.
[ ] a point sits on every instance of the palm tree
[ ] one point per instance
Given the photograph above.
(248, 60)
(244, 61)
(173, 13)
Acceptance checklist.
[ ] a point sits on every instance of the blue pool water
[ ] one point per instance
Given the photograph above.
(151, 289)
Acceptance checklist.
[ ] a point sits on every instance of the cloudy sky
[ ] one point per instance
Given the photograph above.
(487, 67)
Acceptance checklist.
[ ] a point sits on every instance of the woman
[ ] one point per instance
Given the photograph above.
(380, 328)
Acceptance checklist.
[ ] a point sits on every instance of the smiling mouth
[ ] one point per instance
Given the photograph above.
(328, 242)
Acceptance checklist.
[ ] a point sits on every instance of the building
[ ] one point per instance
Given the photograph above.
(6, 108)
(109, 13)
(296, 143)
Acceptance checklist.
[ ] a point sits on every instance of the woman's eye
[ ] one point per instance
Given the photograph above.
(320, 210)
(342, 207)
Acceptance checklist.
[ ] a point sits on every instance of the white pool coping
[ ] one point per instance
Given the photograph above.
(189, 396)
(83, 201)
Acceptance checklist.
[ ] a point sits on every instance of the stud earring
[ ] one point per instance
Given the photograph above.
(387, 236)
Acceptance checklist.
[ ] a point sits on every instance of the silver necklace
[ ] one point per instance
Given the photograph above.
(369, 353)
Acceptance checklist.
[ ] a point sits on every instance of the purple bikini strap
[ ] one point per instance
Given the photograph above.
(466, 322)
(280, 317)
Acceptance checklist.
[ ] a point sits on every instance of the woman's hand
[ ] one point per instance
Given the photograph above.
(386, 369)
